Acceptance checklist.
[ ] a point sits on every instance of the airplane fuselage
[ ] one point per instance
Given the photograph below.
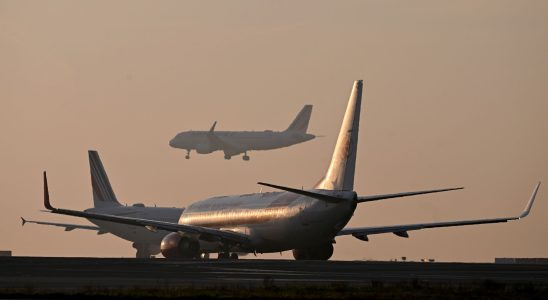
(275, 221)
(235, 142)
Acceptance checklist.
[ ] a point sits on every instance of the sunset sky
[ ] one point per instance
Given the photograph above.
(456, 94)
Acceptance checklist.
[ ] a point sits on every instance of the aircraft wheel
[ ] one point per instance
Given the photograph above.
(223, 255)
(245, 157)
(187, 157)
(234, 256)
(228, 157)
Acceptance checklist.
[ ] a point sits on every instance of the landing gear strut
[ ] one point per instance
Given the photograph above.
(245, 157)
(142, 250)
(227, 156)
(227, 255)
(187, 154)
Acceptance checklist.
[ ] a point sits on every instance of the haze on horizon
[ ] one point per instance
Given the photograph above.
(455, 95)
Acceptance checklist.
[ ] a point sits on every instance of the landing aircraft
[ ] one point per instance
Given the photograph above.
(146, 242)
(304, 221)
(236, 142)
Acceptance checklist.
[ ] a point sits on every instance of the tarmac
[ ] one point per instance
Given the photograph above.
(59, 273)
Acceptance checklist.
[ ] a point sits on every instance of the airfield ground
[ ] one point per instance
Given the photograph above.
(46, 277)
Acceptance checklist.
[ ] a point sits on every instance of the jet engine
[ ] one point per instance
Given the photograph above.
(204, 148)
(322, 252)
(176, 246)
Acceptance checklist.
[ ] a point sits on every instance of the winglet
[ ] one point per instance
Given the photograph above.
(213, 127)
(46, 194)
(527, 209)
(23, 221)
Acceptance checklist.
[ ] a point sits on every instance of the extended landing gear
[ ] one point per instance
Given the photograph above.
(227, 255)
(322, 252)
(227, 157)
(142, 250)
(187, 154)
(245, 157)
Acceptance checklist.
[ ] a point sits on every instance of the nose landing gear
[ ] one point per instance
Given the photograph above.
(245, 157)
(187, 154)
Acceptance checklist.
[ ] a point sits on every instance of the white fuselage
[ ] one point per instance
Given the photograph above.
(137, 234)
(235, 142)
(275, 221)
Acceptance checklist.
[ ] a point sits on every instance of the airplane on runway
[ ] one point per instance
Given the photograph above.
(146, 242)
(236, 142)
(304, 221)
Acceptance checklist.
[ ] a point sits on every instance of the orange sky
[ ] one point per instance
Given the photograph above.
(456, 95)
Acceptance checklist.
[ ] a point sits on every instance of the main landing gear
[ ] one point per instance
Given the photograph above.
(227, 255)
(245, 157)
(187, 154)
(227, 157)
(142, 250)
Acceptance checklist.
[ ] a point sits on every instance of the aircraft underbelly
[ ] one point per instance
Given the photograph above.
(130, 233)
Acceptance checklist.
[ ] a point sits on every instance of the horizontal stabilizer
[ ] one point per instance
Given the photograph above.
(318, 196)
(398, 195)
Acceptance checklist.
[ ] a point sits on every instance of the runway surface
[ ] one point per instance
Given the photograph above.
(76, 273)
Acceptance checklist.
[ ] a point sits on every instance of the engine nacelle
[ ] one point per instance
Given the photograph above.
(176, 246)
(204, 148)
(322, 252)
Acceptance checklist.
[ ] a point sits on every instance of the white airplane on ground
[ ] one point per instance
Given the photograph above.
(146, 242)
(305, 221)
(236, 142)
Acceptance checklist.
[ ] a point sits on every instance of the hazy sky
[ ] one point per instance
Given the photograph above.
(456, 95)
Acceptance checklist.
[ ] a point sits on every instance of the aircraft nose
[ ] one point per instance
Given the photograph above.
(172, 142)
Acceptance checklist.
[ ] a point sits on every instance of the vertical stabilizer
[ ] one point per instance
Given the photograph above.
(340, 174)
(103, 195)
(300, 124)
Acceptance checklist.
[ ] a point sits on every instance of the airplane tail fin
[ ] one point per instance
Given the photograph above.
(300, 124)
(340, 174)
(103, 195)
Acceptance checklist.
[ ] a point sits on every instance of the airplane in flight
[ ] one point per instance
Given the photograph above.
(236, 142)
(304, 221)
(146, 242)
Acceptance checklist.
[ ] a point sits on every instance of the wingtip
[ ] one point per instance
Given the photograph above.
(213, 127)
(268, 184)
(47, 203)
(529, 205)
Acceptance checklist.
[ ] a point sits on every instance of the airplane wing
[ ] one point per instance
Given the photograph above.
(204, 233)
(398, 195)
(362, 233)
(68, 227)
(219, 143)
